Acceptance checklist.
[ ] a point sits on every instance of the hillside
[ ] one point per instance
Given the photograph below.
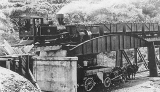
(13, 82)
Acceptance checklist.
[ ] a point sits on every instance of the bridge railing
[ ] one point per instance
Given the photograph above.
(142, 29)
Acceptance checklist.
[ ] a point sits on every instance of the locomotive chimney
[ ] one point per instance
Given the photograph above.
(60, 18)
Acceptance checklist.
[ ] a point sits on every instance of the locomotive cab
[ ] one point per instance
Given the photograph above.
(33, 28)
(29, 27)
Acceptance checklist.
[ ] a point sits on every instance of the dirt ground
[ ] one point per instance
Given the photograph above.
(142, 83)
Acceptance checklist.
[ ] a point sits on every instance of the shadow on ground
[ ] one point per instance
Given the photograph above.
(140, 79)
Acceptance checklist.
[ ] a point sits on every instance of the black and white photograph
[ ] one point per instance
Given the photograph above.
(79, 45)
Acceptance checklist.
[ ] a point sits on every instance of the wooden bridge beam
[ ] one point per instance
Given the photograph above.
(159, 51)
(135, 55)
(152, 60)
(158, 30)
(119, 61)
(143, 30)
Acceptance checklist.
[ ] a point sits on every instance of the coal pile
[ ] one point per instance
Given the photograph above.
(13, 82)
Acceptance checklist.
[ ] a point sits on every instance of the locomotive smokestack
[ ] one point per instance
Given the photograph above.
(60, 18)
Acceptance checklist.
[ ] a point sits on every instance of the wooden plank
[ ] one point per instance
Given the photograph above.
(143, 30)
(121, 42)
(89, 47)
(34, 80)
(135, 55)
(31, 63)
(116, 28)
(119, 58)
(14, 65)
(119, 27)
(99, 45)
(8, 48)
(103, 44)
(114, 43)
(126, 42)
(95, 46)
(155, 26)
(147, 27)
(108, 43)
(158, 30)
(136, 43)
(27, 64)
(129, 42)
(151, 27)
(159, 50)
(84, 48)
(102, 27)
(113, 28)
(128, 27)
(107, 28)
(112, 40)
(78, 51)
(132, 42)
(134, 27)
(106, 48)
(23, 63)
(152, 60)
(143, 43)
(20, 65)
(124, 29)
(23, 72)
(118, 42)
(139, 27)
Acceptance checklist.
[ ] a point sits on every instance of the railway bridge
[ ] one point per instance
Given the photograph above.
(120, 36)
(99, 38)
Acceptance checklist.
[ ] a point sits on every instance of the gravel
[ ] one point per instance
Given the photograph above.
(13, 82)
(142, 83)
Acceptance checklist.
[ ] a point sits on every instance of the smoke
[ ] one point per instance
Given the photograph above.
(89, 11)
(88, 6)
(2, 15)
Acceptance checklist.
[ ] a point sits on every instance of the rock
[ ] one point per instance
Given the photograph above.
(13, 82)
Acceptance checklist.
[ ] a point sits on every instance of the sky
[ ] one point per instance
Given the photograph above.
(4, 2)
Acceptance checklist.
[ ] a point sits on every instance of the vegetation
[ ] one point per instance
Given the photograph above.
(89, 11)
(80, 11)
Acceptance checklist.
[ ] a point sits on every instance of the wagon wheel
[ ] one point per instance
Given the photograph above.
(89, 84)
(107, 82)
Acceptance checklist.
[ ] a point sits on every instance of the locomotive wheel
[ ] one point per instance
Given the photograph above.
(107, 82)
(89, 84)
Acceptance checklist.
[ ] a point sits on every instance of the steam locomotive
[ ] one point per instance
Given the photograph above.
(34, 28)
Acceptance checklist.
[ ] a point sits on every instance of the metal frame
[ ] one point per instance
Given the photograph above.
(106, 43)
